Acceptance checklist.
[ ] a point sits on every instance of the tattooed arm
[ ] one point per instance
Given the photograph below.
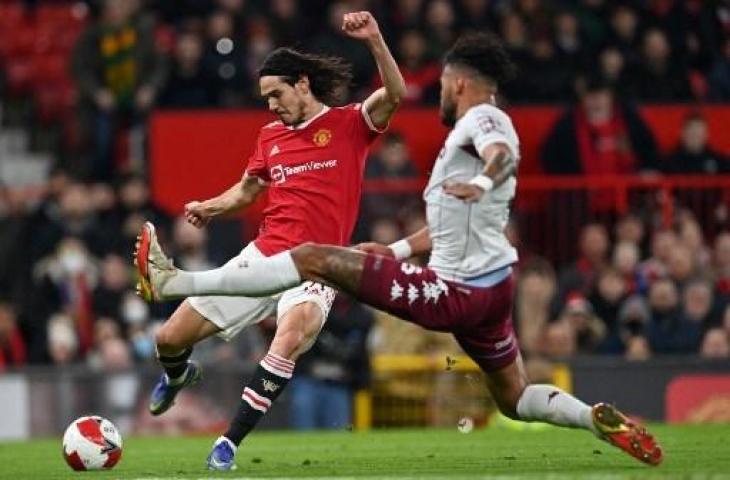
(500, 164)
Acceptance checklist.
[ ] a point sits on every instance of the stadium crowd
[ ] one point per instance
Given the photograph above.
(65, 271)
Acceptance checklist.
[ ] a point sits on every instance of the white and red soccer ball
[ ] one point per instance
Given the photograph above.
(92, 443)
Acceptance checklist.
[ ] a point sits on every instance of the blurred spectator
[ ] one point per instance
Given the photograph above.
(392, 160)
(656, 266)
(440, 23)
(333, 370)
(624, 33)
(63, 283)
(558, 340)
(190, 244)
(682, 265)
(13, 351)
(225, 59)
(630, 228)
(63, 342)
(420, 74)
(715, 344)
(721, 256)
(694, 155)
(615, 70)
(659, 77)
(546, 77)
(568, 41)
(668, 331)
(607, 297)
(385, 231)
(477, 14)
(719, 76)
(589, 329)
(330, 40)
(189, 85)
(65, 214)
(593, 250)
(119, 74)
(599, 137)
(134, 208)
(536, 290)
(633, 318)
(286, 22)
(698, 304)
(114, 282)
(626, 258)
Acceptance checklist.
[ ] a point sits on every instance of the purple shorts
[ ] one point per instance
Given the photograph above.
(479, 318)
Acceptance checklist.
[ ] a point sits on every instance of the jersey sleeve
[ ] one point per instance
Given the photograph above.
(363, 123)
(256, 166)
(488, 126)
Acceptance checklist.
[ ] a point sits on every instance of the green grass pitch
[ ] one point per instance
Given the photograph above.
(697, 452)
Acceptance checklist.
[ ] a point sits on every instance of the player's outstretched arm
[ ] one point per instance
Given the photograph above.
(417, 243)
(381, 104)
(239, 196)
(500, 165)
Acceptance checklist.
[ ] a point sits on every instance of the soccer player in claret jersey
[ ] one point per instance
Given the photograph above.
(311, 161)
(467, 288)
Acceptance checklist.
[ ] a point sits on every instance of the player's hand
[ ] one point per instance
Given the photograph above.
(360, 25)
(464, 191)
(196, 215)
(376, 248)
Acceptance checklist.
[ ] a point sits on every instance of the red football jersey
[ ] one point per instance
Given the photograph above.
(314, 172)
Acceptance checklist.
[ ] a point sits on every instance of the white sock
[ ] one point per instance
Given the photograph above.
(259, 277)
(549, 404)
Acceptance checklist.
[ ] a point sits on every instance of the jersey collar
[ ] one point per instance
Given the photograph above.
(304, 125)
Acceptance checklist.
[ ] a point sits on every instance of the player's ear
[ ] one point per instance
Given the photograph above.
(302, 85)
(459, 84)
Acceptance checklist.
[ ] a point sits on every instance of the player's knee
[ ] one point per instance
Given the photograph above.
(167, 340)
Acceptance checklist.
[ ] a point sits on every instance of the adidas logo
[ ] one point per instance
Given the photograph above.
(274, 150)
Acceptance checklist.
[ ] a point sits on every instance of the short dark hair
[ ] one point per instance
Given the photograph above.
(326, 74)
(484, 53)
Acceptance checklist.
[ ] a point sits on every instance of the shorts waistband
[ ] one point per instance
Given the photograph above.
(489, 279)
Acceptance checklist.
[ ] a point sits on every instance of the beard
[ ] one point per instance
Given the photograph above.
(294, 120)
(448, 113)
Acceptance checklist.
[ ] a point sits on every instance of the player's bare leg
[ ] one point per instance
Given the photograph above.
(519, 400)
(174, 342)
(296, 332)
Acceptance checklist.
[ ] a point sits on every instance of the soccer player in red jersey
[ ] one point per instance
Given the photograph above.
(467, 288)
(311, 161)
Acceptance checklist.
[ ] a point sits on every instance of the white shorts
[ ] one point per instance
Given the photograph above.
(232, 314)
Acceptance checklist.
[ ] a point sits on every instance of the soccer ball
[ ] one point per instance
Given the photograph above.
(92, 443)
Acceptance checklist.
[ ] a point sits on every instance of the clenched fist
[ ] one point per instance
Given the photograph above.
(196, 214)
(360, 25)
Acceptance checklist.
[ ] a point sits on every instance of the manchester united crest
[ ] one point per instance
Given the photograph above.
(322, 137)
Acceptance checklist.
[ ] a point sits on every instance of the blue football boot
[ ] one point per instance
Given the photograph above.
(163, 395)
(222, 457)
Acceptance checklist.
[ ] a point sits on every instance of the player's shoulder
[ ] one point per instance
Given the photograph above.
(348, 109)
(488, 118)
(273, 125)
(485, 110)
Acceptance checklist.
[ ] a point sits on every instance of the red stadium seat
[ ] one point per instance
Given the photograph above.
(18, 42)
(61, 15)
(11, 14)
(50, 69)
(18, 74)
(54, 102)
